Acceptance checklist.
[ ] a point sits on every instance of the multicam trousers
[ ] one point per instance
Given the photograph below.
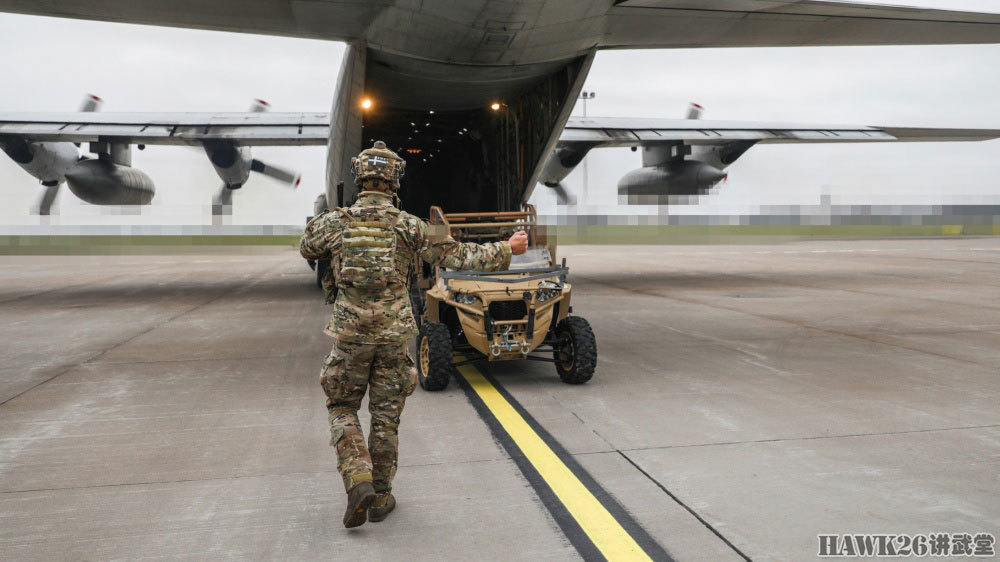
(389, 374)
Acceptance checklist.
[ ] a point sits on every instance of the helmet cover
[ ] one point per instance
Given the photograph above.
(380, 163)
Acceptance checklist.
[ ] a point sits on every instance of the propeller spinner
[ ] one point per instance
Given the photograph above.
(61, 152)
(234, 164)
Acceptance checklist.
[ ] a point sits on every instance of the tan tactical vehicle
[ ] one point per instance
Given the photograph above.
(515, 314)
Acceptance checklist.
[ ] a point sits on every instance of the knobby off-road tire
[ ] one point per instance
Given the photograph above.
(434, 356)
(576, 350)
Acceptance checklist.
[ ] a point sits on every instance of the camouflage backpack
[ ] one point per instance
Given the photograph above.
(368, 252)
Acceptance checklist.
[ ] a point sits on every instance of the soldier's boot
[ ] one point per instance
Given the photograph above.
(384, 504)
(359, 499)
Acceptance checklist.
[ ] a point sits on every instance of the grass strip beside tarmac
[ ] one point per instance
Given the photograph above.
(137, 244)
(751, 234)
(563, 234)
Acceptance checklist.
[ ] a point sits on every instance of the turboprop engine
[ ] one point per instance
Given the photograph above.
(654, 185)
(102, 182)
(106, 181)
(233, 164)
(561, 162)
(678, 173)
(672, 171)
(47, 161)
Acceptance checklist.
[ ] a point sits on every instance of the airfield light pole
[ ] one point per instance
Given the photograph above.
(585, 95)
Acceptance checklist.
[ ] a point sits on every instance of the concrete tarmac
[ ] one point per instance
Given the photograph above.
(747, 398)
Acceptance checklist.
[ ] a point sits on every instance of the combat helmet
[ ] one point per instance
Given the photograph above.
(380, 163)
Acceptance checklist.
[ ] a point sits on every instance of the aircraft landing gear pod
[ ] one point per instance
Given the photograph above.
(523, 313)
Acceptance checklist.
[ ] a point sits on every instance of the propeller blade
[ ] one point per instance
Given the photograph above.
(259, 106)
(285, 176)
(563, 197)
(45, 202)
(222, 203)
(91, 103)
(695, 111)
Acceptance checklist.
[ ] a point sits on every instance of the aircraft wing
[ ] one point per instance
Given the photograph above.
(245, 129)
(714, 145)
(636, 24)
(616, 131)
(337, 20)
(616, 24)
(313, 129)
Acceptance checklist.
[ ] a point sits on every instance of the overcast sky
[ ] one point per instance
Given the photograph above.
(49, 64)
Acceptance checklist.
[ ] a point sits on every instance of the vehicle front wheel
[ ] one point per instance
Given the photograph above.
(434, 356)
(575, 350)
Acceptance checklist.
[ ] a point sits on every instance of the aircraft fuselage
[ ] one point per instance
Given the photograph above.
(474, 136)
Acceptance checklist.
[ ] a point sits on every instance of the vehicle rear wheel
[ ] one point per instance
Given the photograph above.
(575, 350)
(434, 356)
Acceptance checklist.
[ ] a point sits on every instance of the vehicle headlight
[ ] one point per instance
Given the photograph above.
(467, 299)
(547, 290)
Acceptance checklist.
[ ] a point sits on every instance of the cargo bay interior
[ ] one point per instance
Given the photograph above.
(472, 140)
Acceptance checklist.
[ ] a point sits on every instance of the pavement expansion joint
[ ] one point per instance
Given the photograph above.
(61, 288)
(189, 360)
(503, 457)
(29, 389)
(178, 481)
(688, 508)
(921, 298)
(814, 438)
(243, 476)
(611, 447)
(557, 401)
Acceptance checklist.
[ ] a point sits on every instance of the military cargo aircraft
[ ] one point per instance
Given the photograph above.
(475, 94)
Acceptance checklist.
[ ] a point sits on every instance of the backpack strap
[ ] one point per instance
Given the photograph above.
(344, 214)
(395, 248)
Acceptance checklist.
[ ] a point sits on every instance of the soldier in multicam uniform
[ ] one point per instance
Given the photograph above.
(372, 246)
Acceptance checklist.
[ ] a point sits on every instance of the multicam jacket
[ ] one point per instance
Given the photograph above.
(384, 315)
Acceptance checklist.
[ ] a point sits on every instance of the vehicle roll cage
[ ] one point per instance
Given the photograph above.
(495, 277)
(474, 227)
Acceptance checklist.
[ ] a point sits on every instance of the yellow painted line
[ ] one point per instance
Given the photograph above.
(607, 534)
